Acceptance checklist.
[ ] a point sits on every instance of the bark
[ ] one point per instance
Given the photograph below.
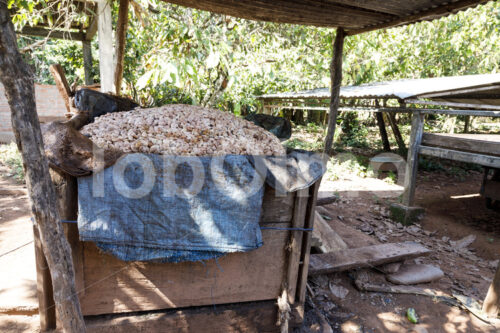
(336, 78)
(20, 91)
(121, 34)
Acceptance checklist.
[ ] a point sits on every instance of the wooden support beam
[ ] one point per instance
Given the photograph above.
(491, 304)
(336, 81)
(455, 155)
(106, 49)
(395, 130)
(87, 62)
(17, 79)
(121, 40)
(417, 129)
(57, 34)
(382, 129)
(61, 83)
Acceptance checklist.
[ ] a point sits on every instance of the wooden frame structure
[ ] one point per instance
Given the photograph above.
(108, 286)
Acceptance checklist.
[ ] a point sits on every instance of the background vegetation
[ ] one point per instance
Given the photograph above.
(181, 54)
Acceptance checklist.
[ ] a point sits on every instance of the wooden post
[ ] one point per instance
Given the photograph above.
(467, 124)
(395, 128)
(336, 81)
(417, 129)
(17, 80)
(106, 49)
(491, 304)
(87, 62)
(121, 40)
(381, 127)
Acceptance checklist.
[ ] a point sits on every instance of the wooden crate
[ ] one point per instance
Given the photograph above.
(108, 285)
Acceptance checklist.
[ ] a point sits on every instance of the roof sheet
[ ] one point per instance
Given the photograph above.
(401, 89)
(353, 15)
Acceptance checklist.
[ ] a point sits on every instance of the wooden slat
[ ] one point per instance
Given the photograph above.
(295, 243)
(455, 155)
(488, 144)
(306, 246)
(254, 317)
(364, 257)
(116, 286)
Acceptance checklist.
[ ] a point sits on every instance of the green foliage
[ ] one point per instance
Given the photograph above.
(178, 54)
(11, 159)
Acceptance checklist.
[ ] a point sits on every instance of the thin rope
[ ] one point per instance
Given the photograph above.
(17, 248)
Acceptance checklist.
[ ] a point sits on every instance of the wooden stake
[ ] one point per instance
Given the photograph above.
(121, 40)
(17, 79)
(336, 79)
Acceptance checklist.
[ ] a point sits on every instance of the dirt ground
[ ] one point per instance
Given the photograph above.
(453, 211)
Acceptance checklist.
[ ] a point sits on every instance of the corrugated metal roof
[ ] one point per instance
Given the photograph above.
(400, 89)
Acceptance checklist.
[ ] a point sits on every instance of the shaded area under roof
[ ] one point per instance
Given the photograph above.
(355, 16)
(483, 88)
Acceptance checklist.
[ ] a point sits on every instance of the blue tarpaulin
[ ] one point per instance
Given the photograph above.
(171, 209)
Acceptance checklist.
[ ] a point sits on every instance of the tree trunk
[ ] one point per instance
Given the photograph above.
(336, 78)
(20, 91)
(121, 35)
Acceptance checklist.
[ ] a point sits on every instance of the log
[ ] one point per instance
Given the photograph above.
(336, 79)
(17, 79)
(367, 256)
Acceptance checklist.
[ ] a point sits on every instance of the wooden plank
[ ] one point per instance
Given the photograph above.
(491, 304)
(488, 144)
(56, 34)
(121, 34)
(484, 160)
(45, 293)
(61, 83)
(113, 286)
(295, 243)
(330, 240)
(306, 246)
(277, 208)
(106, 49)
(253, 317)
(368, 256)
(336, 81)
(417, 128)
